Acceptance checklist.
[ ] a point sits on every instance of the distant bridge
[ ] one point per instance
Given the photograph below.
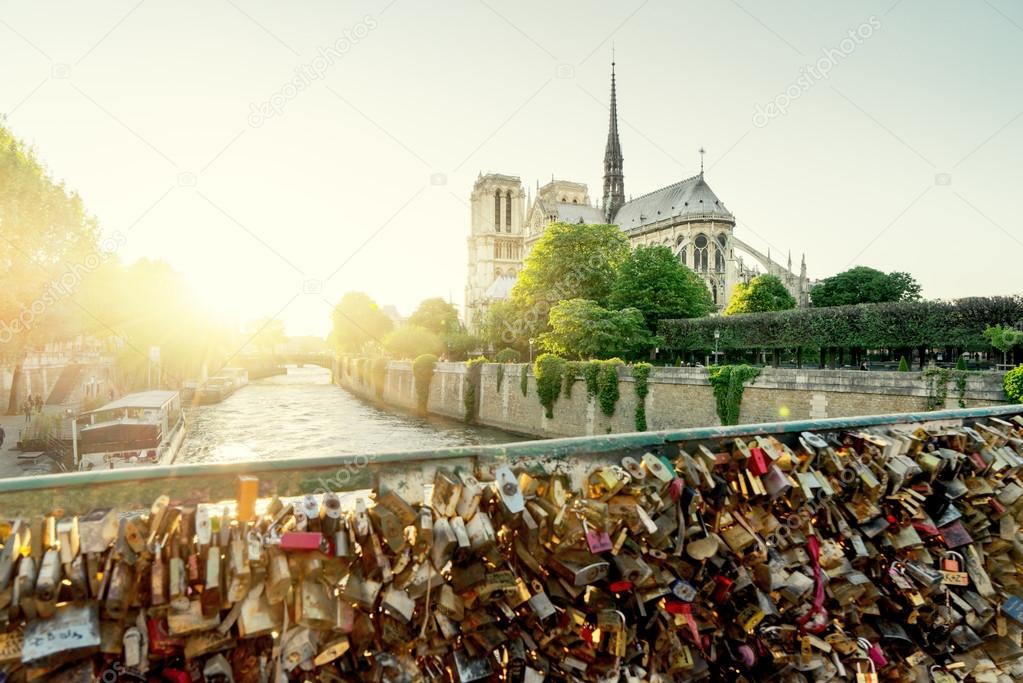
(264, 365)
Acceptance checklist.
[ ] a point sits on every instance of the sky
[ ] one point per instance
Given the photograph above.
(281, 154)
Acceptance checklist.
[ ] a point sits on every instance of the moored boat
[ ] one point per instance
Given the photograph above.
(146, 428)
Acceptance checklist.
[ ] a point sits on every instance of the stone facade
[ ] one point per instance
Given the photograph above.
(678, 397)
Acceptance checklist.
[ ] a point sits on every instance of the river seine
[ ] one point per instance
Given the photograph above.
(303, 414)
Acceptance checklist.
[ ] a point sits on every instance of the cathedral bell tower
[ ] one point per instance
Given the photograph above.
(495, 243)
(614, 180)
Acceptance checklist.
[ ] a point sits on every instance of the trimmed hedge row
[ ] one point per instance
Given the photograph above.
(958, 323)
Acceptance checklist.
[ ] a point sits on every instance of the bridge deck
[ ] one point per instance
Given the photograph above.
(138, 487)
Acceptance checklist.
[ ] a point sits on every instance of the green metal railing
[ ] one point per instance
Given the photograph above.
(128, 488)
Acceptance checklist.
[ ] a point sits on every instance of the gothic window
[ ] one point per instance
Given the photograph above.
(684, 252)
(714, 293)
(507, 210)
(719, 254)
(700, 259)
(497, 210)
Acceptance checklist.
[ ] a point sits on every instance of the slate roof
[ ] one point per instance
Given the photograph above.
(500, 288)
(689, 199)
(578, 213)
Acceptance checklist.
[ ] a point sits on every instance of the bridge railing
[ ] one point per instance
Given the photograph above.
(128, 488)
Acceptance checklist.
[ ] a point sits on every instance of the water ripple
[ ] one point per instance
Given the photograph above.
(303, 414)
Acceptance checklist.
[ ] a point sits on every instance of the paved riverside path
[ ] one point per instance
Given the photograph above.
(9, 467)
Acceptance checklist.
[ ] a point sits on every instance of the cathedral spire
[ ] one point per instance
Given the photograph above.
(614, 180)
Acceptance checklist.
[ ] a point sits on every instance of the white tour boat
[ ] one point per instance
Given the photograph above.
(146, 428)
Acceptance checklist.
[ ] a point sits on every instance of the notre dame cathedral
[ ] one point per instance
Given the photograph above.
(685, 216)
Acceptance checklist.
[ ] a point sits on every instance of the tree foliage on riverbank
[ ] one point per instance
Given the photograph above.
(904, 324)
(63, 280)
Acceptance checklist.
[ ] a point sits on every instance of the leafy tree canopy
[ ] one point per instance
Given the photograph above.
(581, 328)
(358, 322)
(863, 285)
(653, 280)
(436, 315)
(1003, 338)
(410, 341)
(960, 323)
(577, 261)
(49, 244)
(763, 293)
(458, 345)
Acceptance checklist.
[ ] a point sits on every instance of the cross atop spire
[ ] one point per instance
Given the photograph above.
(702, 153)
(614, 179)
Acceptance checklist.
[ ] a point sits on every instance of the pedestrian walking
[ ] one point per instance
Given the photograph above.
(3, 435)
(28, 412)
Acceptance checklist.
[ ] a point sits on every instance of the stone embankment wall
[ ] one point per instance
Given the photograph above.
(677, 398)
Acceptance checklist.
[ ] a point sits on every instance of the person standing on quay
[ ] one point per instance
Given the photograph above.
(3, 435)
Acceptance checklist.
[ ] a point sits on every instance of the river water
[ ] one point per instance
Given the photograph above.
(303, 414)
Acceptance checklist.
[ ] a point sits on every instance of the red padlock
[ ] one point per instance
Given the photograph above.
(757, 463)
(161, 642)
(676, 607)
(722, 588)
(175, 676)
(304, 540)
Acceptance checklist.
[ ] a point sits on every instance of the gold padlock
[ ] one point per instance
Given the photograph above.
(314, 605)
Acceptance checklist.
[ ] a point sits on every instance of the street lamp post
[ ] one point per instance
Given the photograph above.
(531, 341)
(717, 336)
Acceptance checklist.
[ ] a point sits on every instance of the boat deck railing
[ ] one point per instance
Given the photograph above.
(129, 488)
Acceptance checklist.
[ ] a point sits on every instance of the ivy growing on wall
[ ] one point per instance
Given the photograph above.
(473, 370)
(960, 380)
(590, 371)
(524, 380)
(937, 379)
(607, 385)
(728, 382)
(641, 375)
(422, 371)
(572, 370)
(379, 375)
(548, 371)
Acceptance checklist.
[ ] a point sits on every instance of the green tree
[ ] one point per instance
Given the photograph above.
(436, 315)
(188, 336)
(358, 322)
(577, 261)
(507, 356)
(1013, 384)
(506, 325)
(48, 247)
(1003, 338)
(863, 285)
(652, 280)
(581, 328)
(458, 345)
(409, 341)
(763, 293)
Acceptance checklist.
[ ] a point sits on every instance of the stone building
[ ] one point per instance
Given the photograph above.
(686, 216)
